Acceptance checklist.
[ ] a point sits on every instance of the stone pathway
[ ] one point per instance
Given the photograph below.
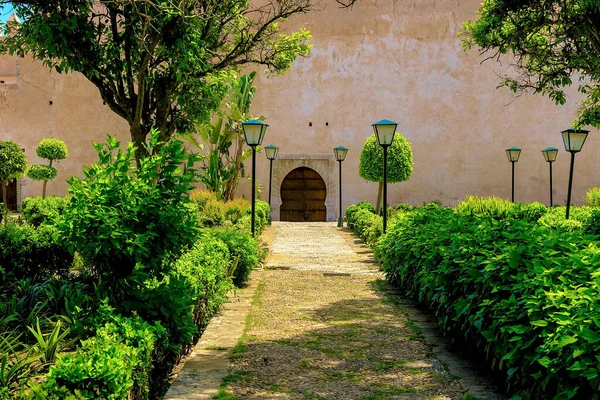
(324, 324)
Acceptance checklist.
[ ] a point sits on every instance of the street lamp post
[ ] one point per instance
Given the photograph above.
(271, 151)
(340, 155)
(550, 154)
(573, 140)
(254, 132)
(513, 155)
(384, 131)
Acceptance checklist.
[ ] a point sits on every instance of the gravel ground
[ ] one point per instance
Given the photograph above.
(322, 327)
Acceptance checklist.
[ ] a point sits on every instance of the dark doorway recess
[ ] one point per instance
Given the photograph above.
(11, 194)
(303, 193)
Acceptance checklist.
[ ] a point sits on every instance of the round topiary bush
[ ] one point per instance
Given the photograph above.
(399, 162)
(41, 172)
(52, 149)
(13, 164)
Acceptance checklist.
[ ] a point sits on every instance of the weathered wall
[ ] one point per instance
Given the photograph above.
(399, 60)
(77, 116)
(402, 60)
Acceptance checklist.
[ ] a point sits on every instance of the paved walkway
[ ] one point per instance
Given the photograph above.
(323, 324)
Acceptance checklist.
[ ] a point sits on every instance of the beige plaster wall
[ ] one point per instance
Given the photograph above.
(77, 116)
(402, 60)
(399, 60)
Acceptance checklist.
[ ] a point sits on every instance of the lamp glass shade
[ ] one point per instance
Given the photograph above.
(513, 154)
(550, 154)
(574, 139)
(340, 153)
(254, 131)
(385, 130)
(271, 151)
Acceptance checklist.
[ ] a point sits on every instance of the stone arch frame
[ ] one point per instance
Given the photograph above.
(323, 164)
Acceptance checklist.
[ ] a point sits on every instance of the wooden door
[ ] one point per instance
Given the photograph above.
(303, 193)
(11, 194)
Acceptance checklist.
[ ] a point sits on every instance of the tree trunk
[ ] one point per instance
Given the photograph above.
(45, 183)
(138, 137)
(5, 201)
(379, 198)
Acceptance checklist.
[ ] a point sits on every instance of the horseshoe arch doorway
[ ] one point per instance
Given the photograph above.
(303, 195)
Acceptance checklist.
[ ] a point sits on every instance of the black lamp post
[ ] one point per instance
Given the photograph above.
(340, 155)
(385, 130)
(550, 154)
(573, 140)
(513, 155)
(271, 152)
(254, 132)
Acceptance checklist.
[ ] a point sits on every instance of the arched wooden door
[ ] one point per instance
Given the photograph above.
(303, 193)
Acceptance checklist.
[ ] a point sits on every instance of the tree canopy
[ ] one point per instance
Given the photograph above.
(553, 44)
(13, 164)
(400, 160)
(158, 63)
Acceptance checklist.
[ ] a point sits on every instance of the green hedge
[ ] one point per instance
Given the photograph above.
(114, 364)
(243, 250)
(26, 251)
(37, 210)
(527, 297)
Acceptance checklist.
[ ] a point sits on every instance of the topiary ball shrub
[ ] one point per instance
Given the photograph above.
(399, 159)
(13, 164)
(41, 172)
(52, 149)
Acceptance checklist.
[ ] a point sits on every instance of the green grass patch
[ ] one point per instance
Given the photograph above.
(383, 365)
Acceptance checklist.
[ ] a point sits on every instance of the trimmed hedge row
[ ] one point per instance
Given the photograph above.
(523, 292)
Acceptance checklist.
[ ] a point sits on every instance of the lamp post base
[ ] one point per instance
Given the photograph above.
(340, 222)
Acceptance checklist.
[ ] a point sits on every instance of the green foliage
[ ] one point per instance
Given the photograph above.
(354, 208)
(366, 224)
(50, 344)
(262, 218)
(119, 216)
(499, 208)
(202, 196)
(579, 218)
(41, 172)
(27, 251)
(552, 41)
(52, 149)
(525, 296)
(112, 365)
(38, 210)
(17, 365)
(399, 159)
(206, 268)
(158, 64)
(222, 142)
(13, 162)
(592, 197)
(243, 250)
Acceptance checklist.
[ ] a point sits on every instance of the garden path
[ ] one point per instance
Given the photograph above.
(323, 324)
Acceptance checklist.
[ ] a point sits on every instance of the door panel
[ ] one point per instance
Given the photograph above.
(303, 193)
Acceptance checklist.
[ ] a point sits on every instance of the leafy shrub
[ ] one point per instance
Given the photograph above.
(202, 196)
(263, 218)
(13, 164)
(38, 210)
(114, 364)
(235, 209)
(52, 149)
(592, 197)
(399, 158)
(27, 251)
(527, 297)
(579, 218)
(354, 208)
(212, 214)
(485, 206)
(206, 267)
(243, 250)
(41, 172)
(120, 216)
